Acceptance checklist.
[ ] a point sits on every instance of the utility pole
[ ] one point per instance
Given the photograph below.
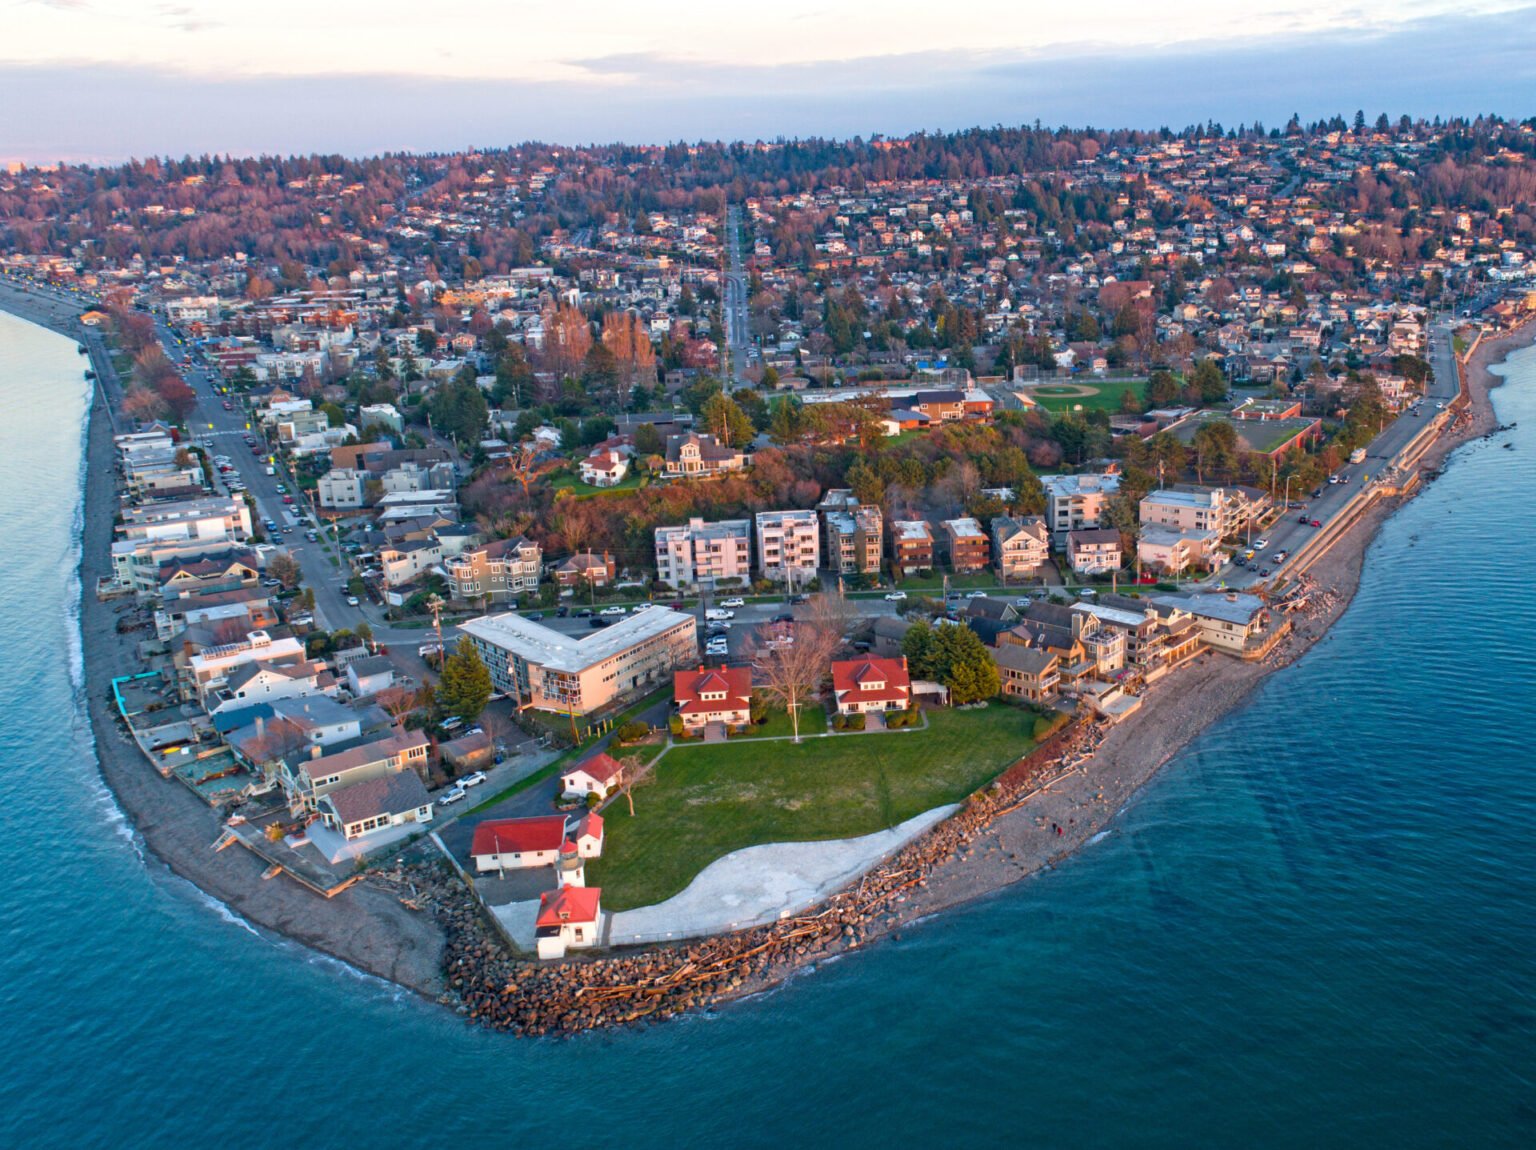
(435, 605)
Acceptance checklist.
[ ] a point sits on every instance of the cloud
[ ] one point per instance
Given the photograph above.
(1432, 67)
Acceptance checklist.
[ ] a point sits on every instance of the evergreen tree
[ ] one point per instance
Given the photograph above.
(464, 688)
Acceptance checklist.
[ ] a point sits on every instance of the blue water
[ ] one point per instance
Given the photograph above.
(1317, 927)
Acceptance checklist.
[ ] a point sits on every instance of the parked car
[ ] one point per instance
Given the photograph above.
(784, 617)
(1302, 519)
(595, 621)
(535, 615)
(352, 601)
(977, 595)
(714, 614)
(895, 596)
(733, 602)
(473, 779)
(452, 723)
(562, 611)
(451, 795)
(271, 582)
(584, 613)
(614, 610)
(1317, 523)
(1260, 544)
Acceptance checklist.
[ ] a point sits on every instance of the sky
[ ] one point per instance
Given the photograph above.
(102, 80)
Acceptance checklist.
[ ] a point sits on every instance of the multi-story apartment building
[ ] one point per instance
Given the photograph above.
(1020, 547)
(342, 489)
(966, 546)
(495, 572)
(1192, 510)
(1076, 502)
(853, 535)
(911, 546)
(788, 546)
(550, 671)
(713, 554)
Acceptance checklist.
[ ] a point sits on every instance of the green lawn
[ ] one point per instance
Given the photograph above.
(573, 482)
(813, 721)
(706, 801)
(1107, 394)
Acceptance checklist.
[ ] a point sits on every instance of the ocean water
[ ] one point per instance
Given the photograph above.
(1316, 927)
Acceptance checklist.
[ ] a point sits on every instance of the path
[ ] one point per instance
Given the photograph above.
(761, 884)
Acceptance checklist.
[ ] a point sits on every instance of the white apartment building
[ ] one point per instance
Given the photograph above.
(713, 554)
(1075, 502)
(788, 546)
(1204, 510)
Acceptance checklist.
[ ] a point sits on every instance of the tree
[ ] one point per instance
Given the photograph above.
(963, 664)
(648, 441)
(285, 568)
(790, 674)
(1207, 382)
(464, 687)
(1216, 448)
(602, 377)
(723, 418)
(917, 646)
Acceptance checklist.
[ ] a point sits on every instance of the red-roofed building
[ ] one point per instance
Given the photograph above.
(512, 844)
(599, 775)
(589, 836)
(871, 684)
(569, 917)
(713, 695)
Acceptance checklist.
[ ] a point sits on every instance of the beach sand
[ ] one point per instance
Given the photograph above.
(364, 927)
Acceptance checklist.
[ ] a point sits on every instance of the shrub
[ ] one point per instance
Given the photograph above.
(593, 799)
(1048, 725)
(634, 731)
(839, 722)
(675, 725)
(856, 722)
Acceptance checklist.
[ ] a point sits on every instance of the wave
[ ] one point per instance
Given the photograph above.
(73, 588)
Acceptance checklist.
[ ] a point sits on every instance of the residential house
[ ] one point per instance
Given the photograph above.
(307, 779)
(966, 546)
(404, 563)
(705, 554)
(1020, 546)
(587, 567)
(375, 804)
(495, 572)
(604, 468)
(713, 695)
(370, 675)
(1231, 622)
(1169, 551)
(788, 546)
(697, 455)
(599, 775)
(1094, 550)
(1029, 673)
(210, 669)
(342, 489)
(870, 683)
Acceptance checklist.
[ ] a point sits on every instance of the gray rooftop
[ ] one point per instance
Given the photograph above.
(572, 653)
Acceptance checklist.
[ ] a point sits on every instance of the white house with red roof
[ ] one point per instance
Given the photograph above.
(514, 844)
(871, 683)
(589, 836)
(713, 695)
(604, 468)
(598, 775)
(569, 918)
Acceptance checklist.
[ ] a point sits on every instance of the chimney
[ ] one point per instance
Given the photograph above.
(261, 727)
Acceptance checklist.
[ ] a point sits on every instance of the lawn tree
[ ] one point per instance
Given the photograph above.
(954, 655)
(464, 688)
(637, 772)
(791, 674)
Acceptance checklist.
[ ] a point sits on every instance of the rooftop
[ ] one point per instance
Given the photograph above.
(572, 653)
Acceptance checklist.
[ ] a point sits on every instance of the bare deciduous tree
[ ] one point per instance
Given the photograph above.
(790, 663)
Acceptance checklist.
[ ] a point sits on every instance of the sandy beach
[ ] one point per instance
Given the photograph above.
(364, 926)
(368, 927)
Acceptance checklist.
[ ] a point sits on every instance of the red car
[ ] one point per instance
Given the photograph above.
(1317, 523)
(287, 499)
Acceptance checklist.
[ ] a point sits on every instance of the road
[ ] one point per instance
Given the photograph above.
(738, 338)
(1286, 533)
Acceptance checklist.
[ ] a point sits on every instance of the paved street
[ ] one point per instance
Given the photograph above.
(734, 304)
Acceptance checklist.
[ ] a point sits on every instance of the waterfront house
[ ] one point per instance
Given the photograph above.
(1027, 672)
(308, 777)
(569, 918)
(599, 775)
(376, 804)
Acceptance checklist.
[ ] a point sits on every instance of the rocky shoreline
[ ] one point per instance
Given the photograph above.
(419, 927)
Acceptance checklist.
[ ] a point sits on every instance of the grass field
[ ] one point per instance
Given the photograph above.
(813, 721)
(573, 483)
(1106, 394)
(707, 801)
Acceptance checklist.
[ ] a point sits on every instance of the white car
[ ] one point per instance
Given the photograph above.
(716, 615)
(472, 780)
(977, 595)
(896, 596)
(733, 602)
(612, 611)
(351, 600)
(451, 795)
(1260, 544)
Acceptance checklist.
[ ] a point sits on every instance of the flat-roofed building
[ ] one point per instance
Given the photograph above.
(714, 554)
(547, 670)
(1193, 510)
(966, 546)
(911, 546)
(1076, 502)
(788, 546)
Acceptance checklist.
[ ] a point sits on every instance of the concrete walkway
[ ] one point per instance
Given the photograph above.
(764, 883)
